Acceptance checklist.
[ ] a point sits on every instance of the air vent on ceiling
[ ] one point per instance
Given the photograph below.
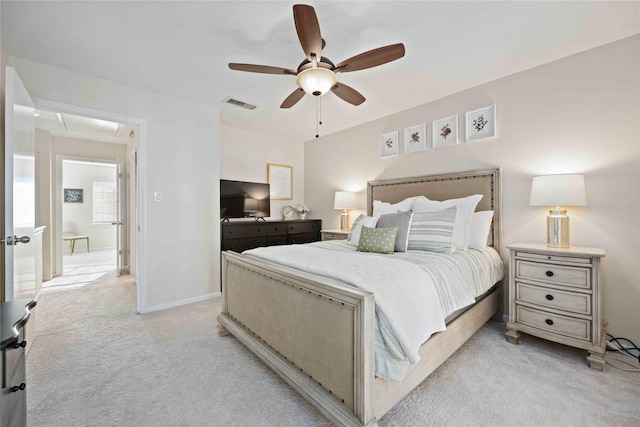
(233, 101)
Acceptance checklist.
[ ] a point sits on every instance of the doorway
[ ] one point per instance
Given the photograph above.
(90, 197)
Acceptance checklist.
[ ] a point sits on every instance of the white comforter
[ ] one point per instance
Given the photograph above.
(404, 293)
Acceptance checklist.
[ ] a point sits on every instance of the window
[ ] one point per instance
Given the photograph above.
(105, 202)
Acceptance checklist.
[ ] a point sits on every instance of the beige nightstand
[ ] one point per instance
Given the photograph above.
(334, 234)
(555, 294)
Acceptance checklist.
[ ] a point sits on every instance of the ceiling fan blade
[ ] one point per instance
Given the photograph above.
(372, 58)
(348, 94)
(308, 30)
(292, 99)
(265, 69)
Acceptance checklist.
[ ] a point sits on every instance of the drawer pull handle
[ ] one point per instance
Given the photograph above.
(18, 387)
(549, 322)
(22, 344)
(549, 297)
(549, 273)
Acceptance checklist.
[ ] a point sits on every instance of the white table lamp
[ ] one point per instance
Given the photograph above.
(344, 200)
(558, 190)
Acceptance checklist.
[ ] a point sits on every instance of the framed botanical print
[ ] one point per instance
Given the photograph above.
(445, 131)
(481, 123)
(415, 138)
(389, 144)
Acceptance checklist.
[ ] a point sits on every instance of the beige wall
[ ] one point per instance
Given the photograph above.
(178, 156)
(245, 157)
(576, 115)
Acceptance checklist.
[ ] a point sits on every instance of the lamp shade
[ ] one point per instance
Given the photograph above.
(345, 200)
(316, 81)
(558, 190)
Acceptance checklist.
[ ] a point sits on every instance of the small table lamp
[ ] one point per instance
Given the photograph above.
(344, 200)
(558, 190)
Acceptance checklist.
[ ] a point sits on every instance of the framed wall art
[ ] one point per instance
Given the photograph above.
(280, 178)
(73, 195)
(445, 131)
(415, 138)
(481, 123)
(389, 144)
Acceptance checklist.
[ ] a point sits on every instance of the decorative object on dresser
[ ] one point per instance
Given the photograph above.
(556, 294)
(334, 234)
(14, 315)
(558, 190)
(344, 200)
(239, 236)
(303, 210)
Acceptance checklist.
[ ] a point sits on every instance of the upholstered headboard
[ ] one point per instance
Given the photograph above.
(446, 186)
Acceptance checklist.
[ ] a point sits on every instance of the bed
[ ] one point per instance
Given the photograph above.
(317, 332)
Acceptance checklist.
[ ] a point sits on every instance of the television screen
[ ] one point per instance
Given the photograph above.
(240, 199)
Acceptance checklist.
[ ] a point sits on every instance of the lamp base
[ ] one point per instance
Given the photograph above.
(558, 229)
(344, 220)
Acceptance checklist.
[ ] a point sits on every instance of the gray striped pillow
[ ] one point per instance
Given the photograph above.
(433, 231)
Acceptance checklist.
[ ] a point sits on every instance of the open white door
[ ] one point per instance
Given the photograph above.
(121, 214)
(20, 266)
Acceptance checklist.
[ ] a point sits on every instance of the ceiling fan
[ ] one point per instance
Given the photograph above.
(316, 75)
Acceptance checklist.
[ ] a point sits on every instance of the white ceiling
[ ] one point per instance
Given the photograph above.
(86, 128)
(181, 49)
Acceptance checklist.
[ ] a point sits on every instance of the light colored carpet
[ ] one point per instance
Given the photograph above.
(94, 362)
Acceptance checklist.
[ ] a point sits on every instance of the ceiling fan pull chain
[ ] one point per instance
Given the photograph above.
(318, 119)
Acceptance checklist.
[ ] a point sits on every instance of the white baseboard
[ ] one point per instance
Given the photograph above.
(182, 302)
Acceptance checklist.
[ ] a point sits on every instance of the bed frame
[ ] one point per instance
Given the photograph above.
(318, 333)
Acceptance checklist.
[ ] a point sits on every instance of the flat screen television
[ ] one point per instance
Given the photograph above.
(240, 199)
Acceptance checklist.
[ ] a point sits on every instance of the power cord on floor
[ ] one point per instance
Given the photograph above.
(625, 348)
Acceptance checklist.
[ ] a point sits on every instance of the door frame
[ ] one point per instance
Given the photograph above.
(58, 204)
(141, 185)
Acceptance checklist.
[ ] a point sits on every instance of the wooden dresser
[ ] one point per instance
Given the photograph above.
(556, 294)
(15, 315)
(240, 236)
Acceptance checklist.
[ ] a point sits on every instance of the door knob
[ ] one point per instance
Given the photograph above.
(10, 241)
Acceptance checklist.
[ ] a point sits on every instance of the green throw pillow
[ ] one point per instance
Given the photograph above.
(378, 240)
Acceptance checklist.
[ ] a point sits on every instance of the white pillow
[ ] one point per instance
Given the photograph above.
(354, 234)
(466, 207)
(433, 231)
(480, 227)
(382, 208)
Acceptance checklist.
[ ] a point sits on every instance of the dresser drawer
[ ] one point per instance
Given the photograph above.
(14, 402)
(279, 239)
(303, 227)
(302, 238)
(574, 302)
(229, 232)
(575, 277)
(276, 228)
(12, 356)
(554, 323)
(240, 245)
(555, 258)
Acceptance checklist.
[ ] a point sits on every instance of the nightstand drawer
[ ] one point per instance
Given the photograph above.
(561, 300)
(555, 258)
(554, 323)
(577, 277)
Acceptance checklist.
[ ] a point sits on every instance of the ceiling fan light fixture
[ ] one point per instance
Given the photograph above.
(316, 81)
